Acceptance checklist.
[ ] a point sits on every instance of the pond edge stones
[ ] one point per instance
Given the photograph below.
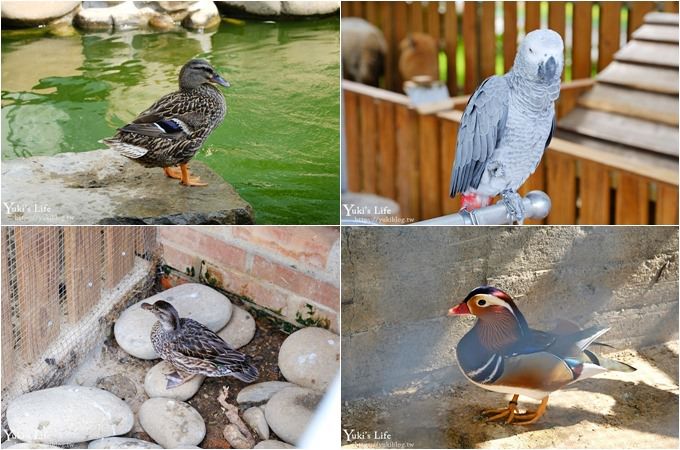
(261, 392)
(68, 415)
(196, 301)
(290, 410)
(120, 443)
(171, 423)
(310, 357)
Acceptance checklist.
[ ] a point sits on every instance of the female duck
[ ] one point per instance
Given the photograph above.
(172, 130)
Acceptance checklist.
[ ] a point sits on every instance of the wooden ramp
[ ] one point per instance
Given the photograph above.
(631, 113)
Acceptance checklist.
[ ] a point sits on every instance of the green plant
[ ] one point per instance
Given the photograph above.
(311, 320)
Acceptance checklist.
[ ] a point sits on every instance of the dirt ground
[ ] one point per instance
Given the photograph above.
(113, 369)
(613, 410)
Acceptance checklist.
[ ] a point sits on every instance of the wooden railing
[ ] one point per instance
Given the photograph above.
(474, 31)
(395, 151)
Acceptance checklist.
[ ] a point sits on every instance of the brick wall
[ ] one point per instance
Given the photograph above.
(281, 268)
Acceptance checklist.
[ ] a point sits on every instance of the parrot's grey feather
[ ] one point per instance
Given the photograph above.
(480, 130)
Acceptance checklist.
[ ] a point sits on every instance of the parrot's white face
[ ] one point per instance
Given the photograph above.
(541, 56)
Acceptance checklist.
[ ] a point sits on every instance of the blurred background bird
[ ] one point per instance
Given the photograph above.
(193, 349)
(502, 354)
(507, 124)
(363, 51)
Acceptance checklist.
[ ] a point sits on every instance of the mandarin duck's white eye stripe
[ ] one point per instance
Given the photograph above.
(502, 354)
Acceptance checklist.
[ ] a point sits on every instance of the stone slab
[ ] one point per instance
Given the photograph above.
(102, 187)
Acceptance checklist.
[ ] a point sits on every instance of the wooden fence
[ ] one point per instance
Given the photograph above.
(53, 277)
(408, 158)
(474, 29)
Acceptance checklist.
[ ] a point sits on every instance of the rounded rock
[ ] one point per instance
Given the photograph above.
(272, 443)
(30, 445)
(203, 14)
(240, 330)
(171, 423)
(289, 412)
(310, 357)
(155, 383)
(162, 22)
(261, 392)
(254, 417)
(67, 415)
(117, 442)
(196, 301)
(307, 8)
(31, 14)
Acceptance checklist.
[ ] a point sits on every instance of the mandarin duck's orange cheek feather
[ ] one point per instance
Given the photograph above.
(502, 354)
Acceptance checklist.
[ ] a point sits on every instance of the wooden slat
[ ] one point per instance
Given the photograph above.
(38, 278)
(661, 18)
(657, 33)
(595, 184)
(119, 252)
(666, 204)
(509, 34)
(371, 13)
(449, 133)
(652, 53)
(581, 62)
(433, 21)
(470, 46)
(636, 15)
(451, 43)
(415, 15)
(487, 41)
(670, 7)
(387, 27)
(368, 143)
(561, 187)
(408, 195)
(9, 358)
(644, 105)
(387, 150)
(430, 184)
(609, 32)
(557, 20)
(400, 32)
(646, 78)
(532, 16)
(345, 9)
(632, 200)
(82, 269)
(622, 129)
(351, 136)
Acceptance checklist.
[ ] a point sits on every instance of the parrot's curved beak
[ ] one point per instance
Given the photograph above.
(547, 70)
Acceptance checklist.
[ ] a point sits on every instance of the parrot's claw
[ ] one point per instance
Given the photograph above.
(513, 201)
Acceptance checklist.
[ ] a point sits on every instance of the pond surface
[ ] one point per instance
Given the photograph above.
(278, 146)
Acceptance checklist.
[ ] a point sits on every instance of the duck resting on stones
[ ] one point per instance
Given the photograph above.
(172, 130)
(193, 349)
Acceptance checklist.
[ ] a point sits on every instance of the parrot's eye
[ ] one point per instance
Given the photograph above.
(481, 302)
(530, 50)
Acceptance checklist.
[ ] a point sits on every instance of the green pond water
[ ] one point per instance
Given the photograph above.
(278, 145)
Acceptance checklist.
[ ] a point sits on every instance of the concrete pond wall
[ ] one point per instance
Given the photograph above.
(398, 284)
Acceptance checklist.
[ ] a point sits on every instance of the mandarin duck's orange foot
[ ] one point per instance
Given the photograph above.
(511, 415)
(172, 172)
(187, 179)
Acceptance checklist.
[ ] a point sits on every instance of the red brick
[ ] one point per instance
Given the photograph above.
(296, 281)
(307, 245)
(257, 291)
(204, 246)
(178, 259)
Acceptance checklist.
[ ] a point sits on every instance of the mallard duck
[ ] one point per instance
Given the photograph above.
(193, 349)
(172, 130)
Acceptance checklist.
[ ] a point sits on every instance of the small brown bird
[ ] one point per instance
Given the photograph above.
(172, 130)
(502, 354)
(193, 349)
(418, 57)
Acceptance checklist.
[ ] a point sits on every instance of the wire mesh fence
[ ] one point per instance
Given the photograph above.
(60, 287)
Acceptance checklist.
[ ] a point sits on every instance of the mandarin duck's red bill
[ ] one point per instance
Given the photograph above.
(502, 354)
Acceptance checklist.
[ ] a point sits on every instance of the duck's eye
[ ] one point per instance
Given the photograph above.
(481, 302)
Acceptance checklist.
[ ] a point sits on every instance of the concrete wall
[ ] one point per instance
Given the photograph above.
(281, 268)
(399, 282)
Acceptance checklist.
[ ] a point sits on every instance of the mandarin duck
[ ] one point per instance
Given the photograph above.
(172, 130)
(192, 348)
(502, 354)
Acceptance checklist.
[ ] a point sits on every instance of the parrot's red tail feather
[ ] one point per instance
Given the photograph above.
(472, 201)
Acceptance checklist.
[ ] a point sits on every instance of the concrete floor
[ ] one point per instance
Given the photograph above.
(613, 410)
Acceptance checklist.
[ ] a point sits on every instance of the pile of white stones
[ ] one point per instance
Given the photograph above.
(308, 359)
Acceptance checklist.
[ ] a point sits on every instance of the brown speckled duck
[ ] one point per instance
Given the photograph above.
(172, 130)
(193, 349)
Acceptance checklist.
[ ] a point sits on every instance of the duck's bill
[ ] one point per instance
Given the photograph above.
(219, 80)
(459, 310)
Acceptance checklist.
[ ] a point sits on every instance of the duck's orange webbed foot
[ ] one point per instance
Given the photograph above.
(512, 414)
(172, 172)
(187, 179)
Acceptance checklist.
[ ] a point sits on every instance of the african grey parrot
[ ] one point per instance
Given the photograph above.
(508, 123)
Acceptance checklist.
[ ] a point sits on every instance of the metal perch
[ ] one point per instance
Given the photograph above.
(536, 205)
